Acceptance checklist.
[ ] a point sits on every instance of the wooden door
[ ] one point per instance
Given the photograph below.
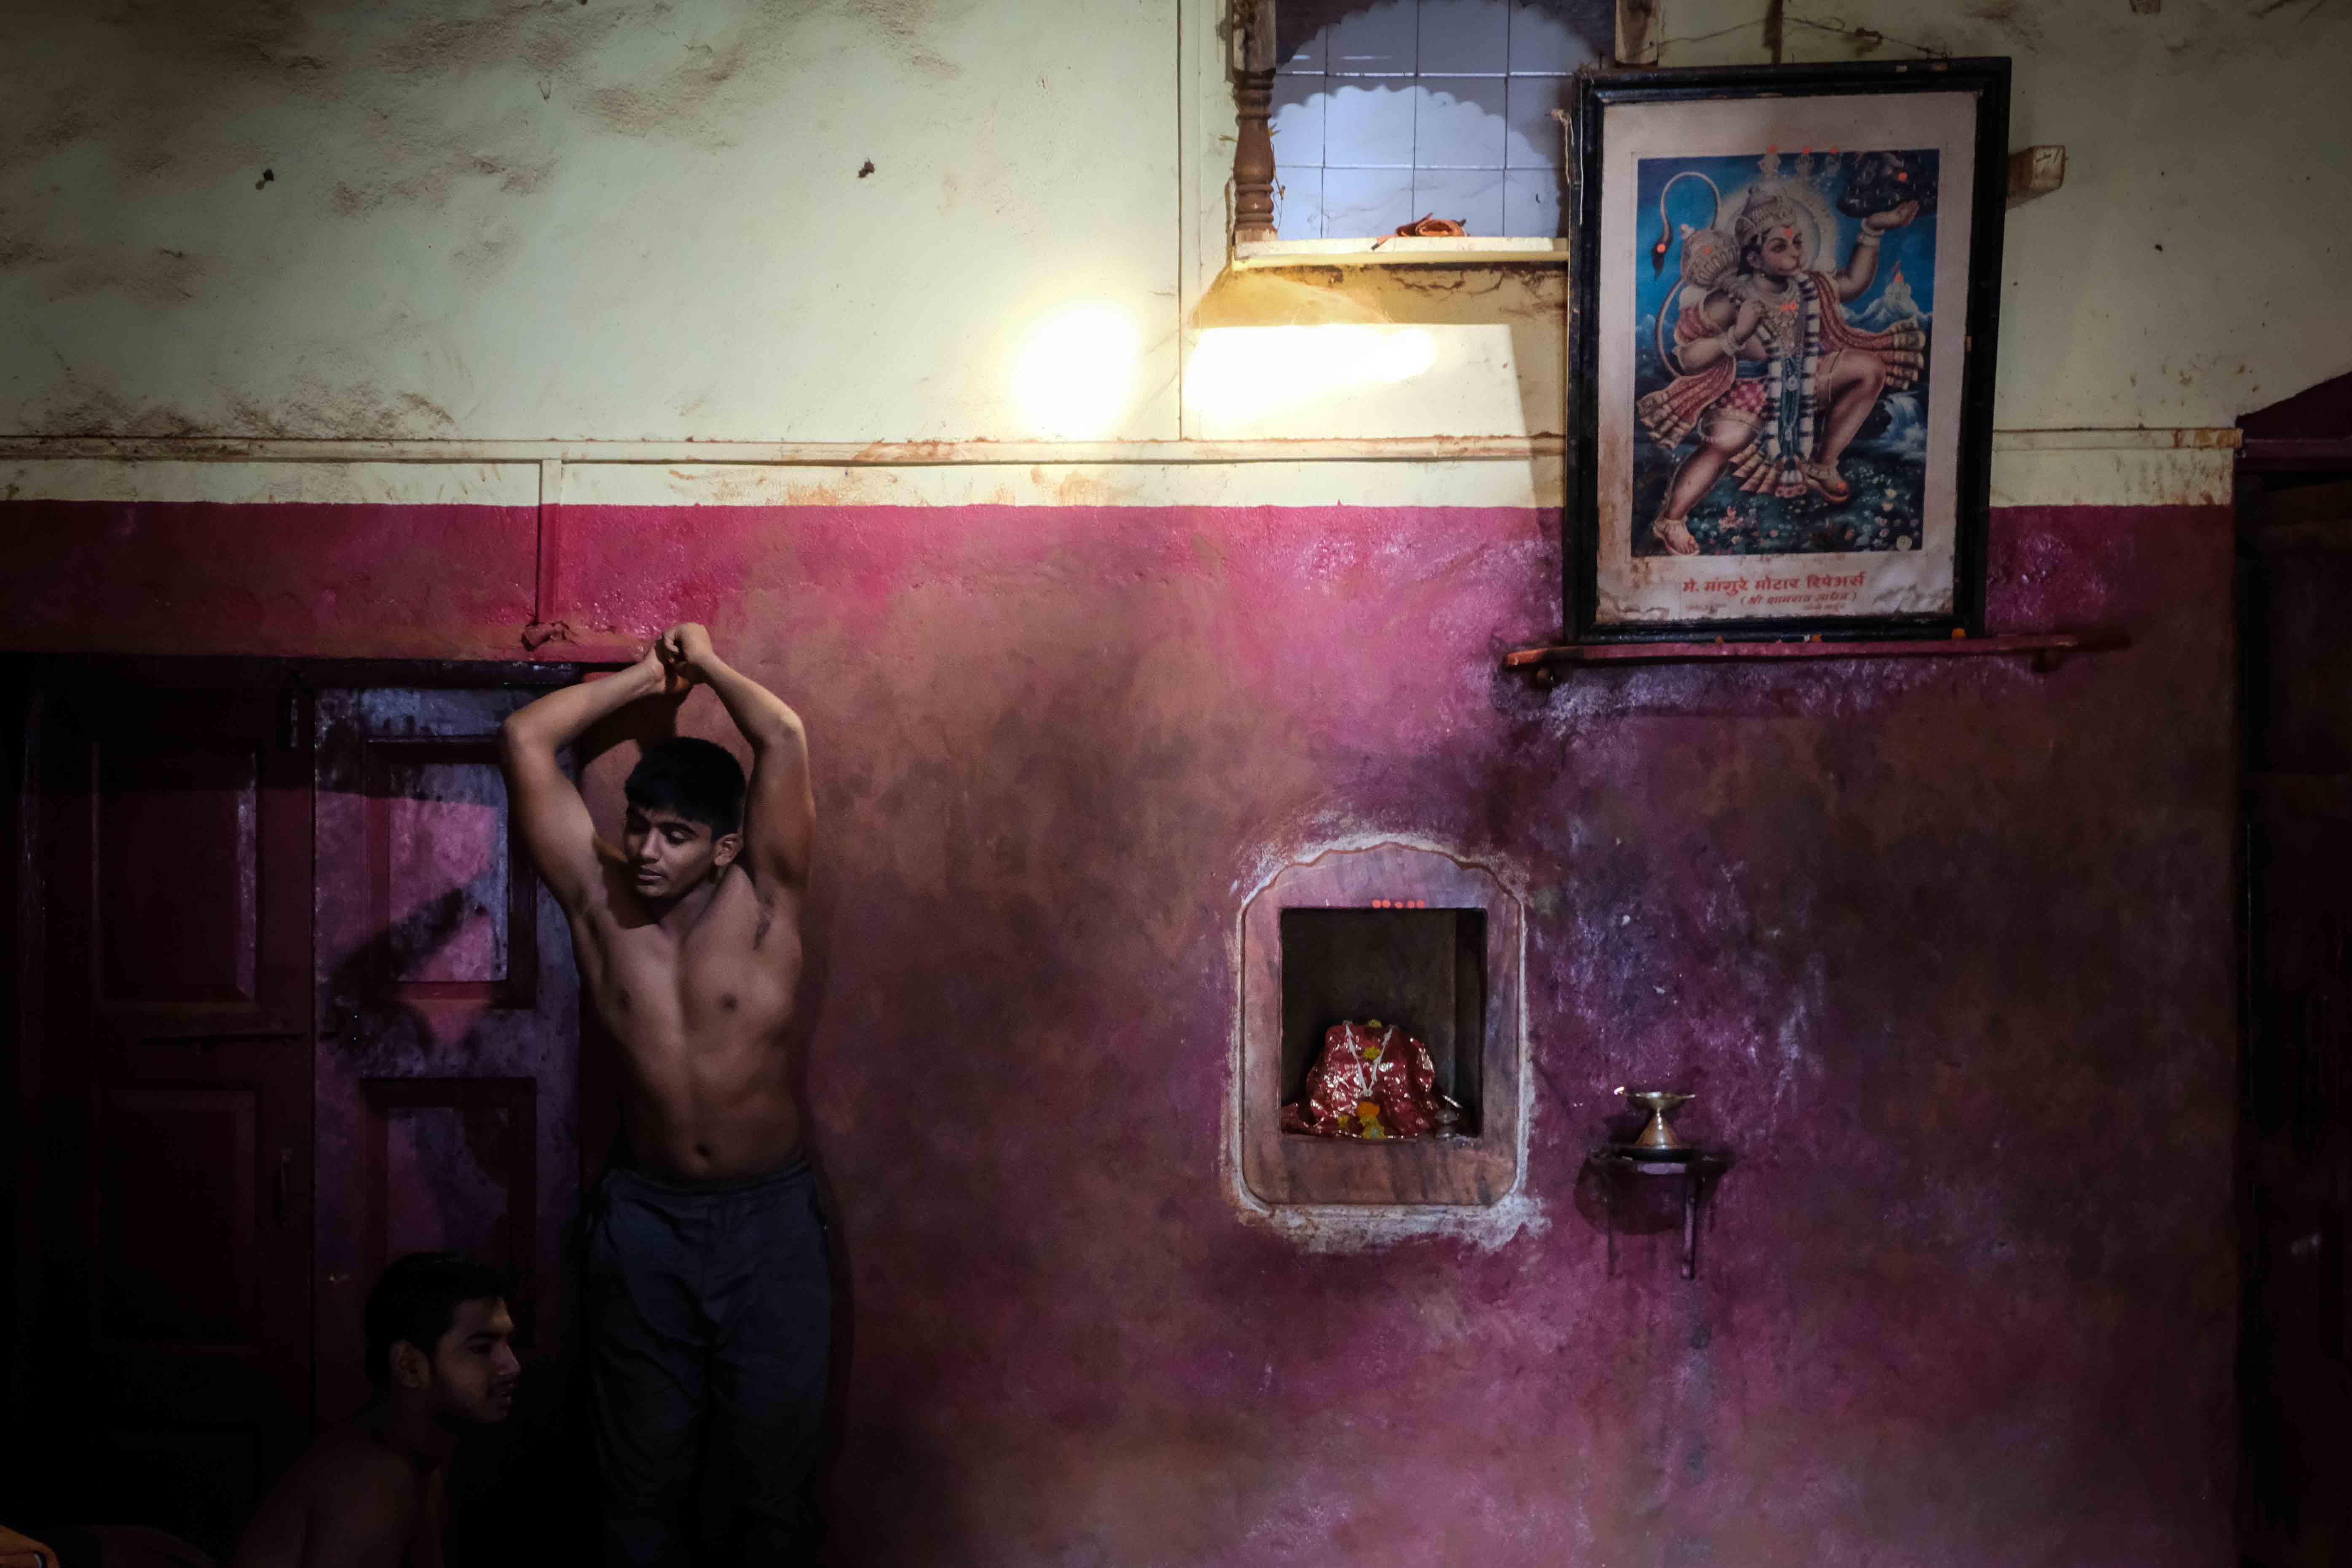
(446, 1085)
(2295, 1129)
(167, 1368)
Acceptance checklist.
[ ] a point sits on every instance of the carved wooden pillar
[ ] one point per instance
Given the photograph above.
(1253, 172)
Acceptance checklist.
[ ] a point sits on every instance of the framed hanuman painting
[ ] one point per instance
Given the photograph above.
(1783, 314)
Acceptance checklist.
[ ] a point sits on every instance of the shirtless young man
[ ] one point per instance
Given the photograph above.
(372, 1493)
(706, 1295)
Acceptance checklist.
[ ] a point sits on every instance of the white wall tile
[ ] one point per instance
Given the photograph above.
(1358, 202)
(1531, 200)
(1541, 39)
(1471, 197)
(1298, 204)
(1382, 41)
(1312, 49)
(1458, 123)
(1465, 37)
(1368, 123)
(1297, 125)
(1534, 139)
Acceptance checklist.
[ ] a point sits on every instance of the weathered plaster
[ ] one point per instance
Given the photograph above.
(635, 217)
(2089, 475)
(1909, 928)
(2187, 270)
(643, 218)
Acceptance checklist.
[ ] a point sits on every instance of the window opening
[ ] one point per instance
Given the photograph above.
(1387, 112)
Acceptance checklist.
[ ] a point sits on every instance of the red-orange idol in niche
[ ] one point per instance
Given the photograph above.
(1371, 1080)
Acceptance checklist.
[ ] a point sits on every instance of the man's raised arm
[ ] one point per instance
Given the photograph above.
(778, 805)
(556, 828)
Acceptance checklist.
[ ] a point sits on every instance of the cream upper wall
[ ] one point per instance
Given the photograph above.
(600, 219)
(2193, 266)
(629, 220)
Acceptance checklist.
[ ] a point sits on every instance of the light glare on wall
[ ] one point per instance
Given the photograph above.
(1238, 375)
(1074, 377)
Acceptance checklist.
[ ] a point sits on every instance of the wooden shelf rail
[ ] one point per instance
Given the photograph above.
(2048, 650)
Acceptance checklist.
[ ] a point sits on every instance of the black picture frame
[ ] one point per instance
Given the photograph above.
(1605, 431)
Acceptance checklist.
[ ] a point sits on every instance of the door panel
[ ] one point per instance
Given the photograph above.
(179, 1242)
(441, 861)
(191, 1310)
(171, 1342)
(447, 1084)
(179, 866)
(2294, 1142)
(2295, 1376)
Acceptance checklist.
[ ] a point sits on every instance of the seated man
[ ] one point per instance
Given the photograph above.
(372, 1492)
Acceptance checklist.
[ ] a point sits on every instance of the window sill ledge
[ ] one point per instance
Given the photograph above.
(1399, 250)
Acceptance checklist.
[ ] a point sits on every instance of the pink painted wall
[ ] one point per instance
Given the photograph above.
(1945, 946)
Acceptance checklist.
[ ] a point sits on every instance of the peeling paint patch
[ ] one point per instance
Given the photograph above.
(486, 256)
(1481, 485)
(77, 408)
(908, 24)
(433, 186)
(24, 250)
(156, 276)
(2010, 19)
(360, 411)
(686, 99)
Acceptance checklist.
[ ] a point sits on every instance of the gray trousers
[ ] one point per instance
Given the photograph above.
(709, 1314)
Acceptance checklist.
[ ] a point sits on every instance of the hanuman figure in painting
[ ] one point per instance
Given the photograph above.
(1768, 372)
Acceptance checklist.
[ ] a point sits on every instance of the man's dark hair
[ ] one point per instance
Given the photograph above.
(417, 1300)
(700, 780)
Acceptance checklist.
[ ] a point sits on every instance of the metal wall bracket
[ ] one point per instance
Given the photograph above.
(1698, 1168)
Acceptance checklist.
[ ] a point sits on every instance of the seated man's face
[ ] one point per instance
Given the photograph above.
(474, 1367)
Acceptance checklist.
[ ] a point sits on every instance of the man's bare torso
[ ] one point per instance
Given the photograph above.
(354, 1499)
(698, 1004)
(688, 932)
